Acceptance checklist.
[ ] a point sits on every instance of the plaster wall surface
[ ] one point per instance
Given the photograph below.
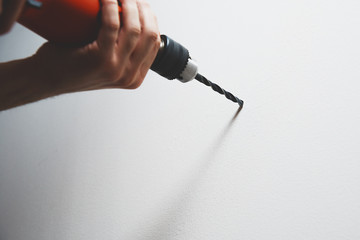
(175, 161)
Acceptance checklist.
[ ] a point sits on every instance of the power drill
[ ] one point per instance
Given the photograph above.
(77, 22)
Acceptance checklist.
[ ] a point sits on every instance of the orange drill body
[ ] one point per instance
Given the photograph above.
(63, 21)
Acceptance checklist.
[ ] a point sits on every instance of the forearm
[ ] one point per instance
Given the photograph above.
(21, 83)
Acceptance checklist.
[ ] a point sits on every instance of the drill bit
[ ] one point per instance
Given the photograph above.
(173, 61)
(220, 90)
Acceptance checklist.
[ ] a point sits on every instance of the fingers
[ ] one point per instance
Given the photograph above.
(10, 11)
(145, 45)
(129, 51)
(131, 27)
(150, 36)
(148, 45)
(110, 25)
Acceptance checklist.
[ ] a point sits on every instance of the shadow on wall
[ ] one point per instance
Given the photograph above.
(168, 223)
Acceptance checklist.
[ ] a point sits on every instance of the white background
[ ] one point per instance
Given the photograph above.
(170, 161)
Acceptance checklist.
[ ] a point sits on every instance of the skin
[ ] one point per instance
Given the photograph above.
(120, 57)
(10, 11)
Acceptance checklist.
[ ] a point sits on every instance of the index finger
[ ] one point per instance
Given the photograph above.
(110, 25)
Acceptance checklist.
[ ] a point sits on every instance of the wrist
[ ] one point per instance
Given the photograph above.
(40, 81)
(63, 69)
(22, 81)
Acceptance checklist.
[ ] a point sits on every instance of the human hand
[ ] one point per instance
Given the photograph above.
(118, 58)
(10, 11)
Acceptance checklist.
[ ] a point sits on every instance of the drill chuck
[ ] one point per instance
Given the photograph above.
(173, 61)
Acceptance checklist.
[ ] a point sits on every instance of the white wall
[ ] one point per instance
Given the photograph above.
(169, 161)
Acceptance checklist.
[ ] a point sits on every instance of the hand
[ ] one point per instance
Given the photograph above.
(10, 11)
(119, 58)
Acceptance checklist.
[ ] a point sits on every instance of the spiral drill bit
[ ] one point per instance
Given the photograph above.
(174, 61)
(218, 89)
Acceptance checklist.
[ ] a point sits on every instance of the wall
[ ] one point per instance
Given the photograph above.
(174, 161)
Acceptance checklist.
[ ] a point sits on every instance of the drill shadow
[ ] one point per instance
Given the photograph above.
(168, 222)
(213, 151)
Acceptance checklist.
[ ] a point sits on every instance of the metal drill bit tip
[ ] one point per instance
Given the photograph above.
(218, 89)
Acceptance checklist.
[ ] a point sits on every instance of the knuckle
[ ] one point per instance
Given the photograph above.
(135, 85)
(134, 31)
(156, 42)
(152, 36)
(126, 82)
(131, 79)
(111, 26)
